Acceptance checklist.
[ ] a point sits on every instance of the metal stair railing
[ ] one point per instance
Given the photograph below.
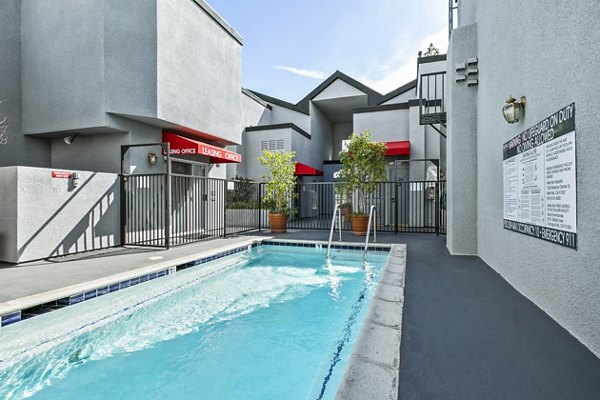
(336, 212)
(372, 212)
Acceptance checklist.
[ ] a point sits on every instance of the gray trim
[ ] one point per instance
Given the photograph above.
(288, 125)
(303, 106)
(430, 59)
(386, 107)
(254, 97)
(373, 96)
(398, 91)
(279, 102)
(220, 20)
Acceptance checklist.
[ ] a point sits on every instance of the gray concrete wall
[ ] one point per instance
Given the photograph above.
(462, 148)
(70, 219)
(254, 170)
(62, 65)
(15, 148)
(554, 64)
(253, 114)
(403, 97)
(207, 99)
(8, 213)
(386, 126)
(130, 57)
(341, 131)
(338, 89)
(281, 115)
(102, 153)
(417, 145)
(320, 146)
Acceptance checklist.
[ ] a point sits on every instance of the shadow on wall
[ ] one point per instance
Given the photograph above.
(96, 230)
(70, 220)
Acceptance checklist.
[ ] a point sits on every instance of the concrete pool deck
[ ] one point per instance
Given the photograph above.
(38, 282)
(466, 333)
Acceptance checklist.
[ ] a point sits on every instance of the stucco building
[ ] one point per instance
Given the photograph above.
(524, 196)
(99, 75)
(316, 126)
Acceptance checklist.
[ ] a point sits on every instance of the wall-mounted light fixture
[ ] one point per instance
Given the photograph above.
(152, 158)
(513, 109)
(70, 139)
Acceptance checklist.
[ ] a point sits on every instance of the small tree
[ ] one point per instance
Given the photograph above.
(363, 167)
(280, 180)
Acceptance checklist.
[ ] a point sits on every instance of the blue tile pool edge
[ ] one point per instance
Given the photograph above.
(21, 315)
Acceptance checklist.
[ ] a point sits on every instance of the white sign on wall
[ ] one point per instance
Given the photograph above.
(540, 180)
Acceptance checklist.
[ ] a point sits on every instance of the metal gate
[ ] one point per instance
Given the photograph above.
(413, 206)
(165, 209)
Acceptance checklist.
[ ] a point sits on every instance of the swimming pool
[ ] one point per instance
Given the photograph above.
(274, 323)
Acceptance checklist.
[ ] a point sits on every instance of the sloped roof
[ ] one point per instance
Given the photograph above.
(303, 106)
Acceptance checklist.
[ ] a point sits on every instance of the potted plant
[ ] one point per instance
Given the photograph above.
(279, 187)
(363, 167)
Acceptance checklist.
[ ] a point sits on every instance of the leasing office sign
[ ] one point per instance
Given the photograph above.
(540, 191)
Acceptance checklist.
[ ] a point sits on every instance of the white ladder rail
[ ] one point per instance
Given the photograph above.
(372, 212)
(336, 212)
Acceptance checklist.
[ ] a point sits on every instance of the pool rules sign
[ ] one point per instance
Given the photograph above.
(540, 180)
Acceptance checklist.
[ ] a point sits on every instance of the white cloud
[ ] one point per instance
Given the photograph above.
(401, 67)
(303, 72)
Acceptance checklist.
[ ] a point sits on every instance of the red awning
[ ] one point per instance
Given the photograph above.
(184, 146)
(305, 170)
(401, 148)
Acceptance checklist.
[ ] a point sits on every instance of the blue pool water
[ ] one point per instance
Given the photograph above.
(276, 323)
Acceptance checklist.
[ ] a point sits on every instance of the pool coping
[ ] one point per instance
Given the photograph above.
(16, 310)
(11, 311)
(373, 371)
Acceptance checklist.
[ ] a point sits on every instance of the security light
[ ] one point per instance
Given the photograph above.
(513, 109)
(70, 139)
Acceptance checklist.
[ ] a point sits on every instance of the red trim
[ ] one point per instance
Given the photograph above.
(305, 170)
(401, 148)
(184, 146)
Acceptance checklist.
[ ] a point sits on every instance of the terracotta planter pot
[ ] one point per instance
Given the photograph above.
(278, 223)
(359, 225)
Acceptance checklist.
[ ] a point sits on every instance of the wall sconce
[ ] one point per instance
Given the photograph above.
(152, 158)
(513, 109)
(70, 139)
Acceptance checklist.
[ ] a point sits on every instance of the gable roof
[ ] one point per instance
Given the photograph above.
(303, 106)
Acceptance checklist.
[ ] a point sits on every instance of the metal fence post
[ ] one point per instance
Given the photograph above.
(260, 207)
(168, 198)
(224, 208)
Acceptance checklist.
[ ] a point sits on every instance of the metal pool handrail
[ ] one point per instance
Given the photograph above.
(372, 212)
(336, 212)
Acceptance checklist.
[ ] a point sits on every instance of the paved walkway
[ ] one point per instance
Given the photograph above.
(468, 334)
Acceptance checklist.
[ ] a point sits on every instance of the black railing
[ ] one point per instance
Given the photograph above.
(162, 211)
(144, 210)
(432, 101)
(401, 206)
(200, 208)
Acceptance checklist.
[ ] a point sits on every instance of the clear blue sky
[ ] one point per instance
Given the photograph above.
(290, 46)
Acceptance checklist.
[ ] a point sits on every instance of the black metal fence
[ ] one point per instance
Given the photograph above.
(162, 211)
(415, 206)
